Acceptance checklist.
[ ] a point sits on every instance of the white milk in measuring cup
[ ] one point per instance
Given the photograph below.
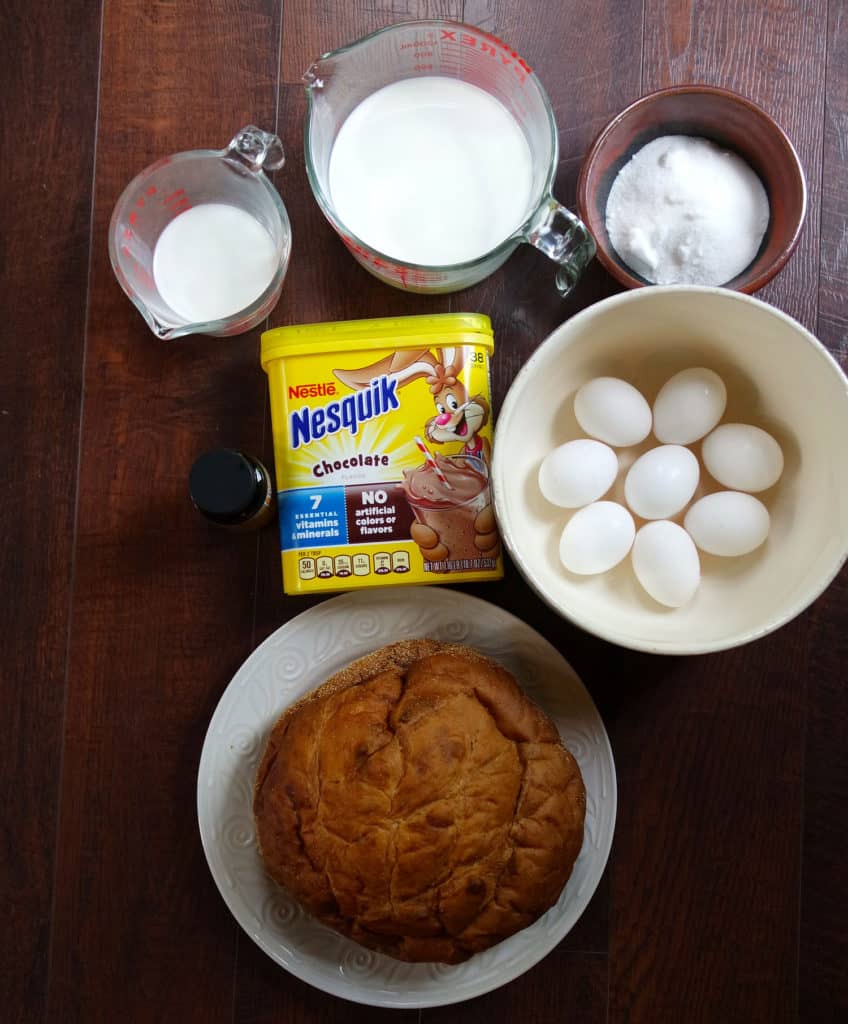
(431, 170)
(431, 149)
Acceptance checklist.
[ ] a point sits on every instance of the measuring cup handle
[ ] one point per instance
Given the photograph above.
(564, 238)
(257, 150)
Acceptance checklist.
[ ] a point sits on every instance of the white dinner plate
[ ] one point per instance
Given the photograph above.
(298, 657)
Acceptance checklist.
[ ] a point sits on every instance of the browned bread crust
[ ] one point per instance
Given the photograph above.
(419, 803)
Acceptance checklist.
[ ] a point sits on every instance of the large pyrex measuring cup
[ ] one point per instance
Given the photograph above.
(173, 185)
(340, 80)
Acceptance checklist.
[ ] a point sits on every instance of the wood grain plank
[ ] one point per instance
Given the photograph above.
(713, 748)
(704, 879)
(823, 994)
(572, 986)
(833, 285)
(47, 132)
(773, 53)
(163, 605)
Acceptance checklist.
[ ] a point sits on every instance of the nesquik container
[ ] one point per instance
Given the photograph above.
(382, 442)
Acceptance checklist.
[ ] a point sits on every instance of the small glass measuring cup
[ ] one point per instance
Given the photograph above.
(338, 81)
(173, 185)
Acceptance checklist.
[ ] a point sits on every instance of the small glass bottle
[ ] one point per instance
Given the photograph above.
(232, 490)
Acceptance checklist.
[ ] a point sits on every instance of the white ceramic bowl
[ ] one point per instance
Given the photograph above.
(778, 376)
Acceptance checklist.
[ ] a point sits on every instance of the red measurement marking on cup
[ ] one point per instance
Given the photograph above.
(374, 260)
(484, 43)
(178, 200)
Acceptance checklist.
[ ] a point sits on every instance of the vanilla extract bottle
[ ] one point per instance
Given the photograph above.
(232, 490)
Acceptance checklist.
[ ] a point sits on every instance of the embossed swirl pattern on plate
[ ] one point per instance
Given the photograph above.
(294, 660)
(244, 742)
(455, 631)
(365, 626)
(290, 664)
(359, 962)
(237, 833)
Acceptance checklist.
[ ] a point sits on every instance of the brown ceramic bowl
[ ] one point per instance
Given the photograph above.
(734, 123)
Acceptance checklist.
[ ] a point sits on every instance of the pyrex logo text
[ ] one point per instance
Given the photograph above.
(483, 42)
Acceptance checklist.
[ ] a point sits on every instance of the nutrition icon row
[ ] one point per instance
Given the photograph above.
(358, 564)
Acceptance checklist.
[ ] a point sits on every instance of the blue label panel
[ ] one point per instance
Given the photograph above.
(312, 518)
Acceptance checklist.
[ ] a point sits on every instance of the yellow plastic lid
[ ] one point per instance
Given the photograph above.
(396, 332)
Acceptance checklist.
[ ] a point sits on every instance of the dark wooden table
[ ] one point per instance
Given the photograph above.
(124, 617)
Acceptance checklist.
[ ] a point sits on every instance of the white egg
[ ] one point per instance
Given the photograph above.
(743, 457)
(689, 405)
(613, 411)
(577, 472)
(596, 538)
(661, 482)
(666, 563)
(728, 523)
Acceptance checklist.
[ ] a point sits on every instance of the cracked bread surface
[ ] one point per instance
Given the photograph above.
(420, 803)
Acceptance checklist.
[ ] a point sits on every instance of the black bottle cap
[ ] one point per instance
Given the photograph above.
(225, 486)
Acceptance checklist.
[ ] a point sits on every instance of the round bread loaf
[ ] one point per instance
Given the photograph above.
(419, 803)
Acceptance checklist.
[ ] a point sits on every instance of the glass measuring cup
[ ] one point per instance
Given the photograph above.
(338, 81)
(174, 184)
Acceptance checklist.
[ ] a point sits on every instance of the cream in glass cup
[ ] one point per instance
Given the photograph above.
(230, 179)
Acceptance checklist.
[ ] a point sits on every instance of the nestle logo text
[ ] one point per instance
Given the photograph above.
(312, 390)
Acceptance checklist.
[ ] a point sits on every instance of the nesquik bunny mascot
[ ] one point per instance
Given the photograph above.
(459, 418)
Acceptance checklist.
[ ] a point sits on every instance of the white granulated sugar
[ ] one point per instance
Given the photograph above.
(685, 211)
